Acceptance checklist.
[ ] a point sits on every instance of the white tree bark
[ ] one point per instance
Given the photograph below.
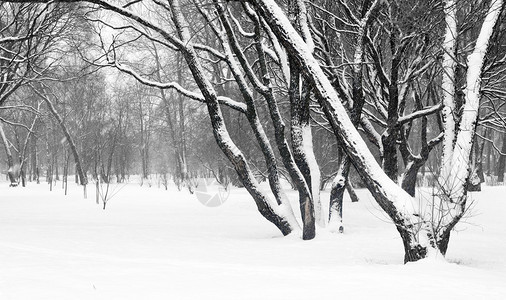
(307, 144)
(448, 85)
(462, 150)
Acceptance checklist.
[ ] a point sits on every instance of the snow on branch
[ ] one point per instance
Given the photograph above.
(12, 39)
(419, 113)
(239, 27)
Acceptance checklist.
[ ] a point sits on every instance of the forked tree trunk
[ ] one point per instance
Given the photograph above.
(231, 47)
(279, 215)
(296, 176)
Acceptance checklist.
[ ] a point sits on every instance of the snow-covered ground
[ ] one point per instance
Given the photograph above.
(155, 244)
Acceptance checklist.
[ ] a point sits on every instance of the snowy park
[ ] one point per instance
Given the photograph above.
(260, 149)
(155, 244)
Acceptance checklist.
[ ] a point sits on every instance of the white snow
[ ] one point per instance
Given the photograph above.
(157, 244)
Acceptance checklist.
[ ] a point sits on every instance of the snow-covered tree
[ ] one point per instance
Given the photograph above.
(269, 54)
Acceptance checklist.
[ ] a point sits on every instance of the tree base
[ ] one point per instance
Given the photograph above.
(415, 253)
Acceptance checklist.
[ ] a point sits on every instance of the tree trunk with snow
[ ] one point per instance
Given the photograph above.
(295, 173)
(299, 123)
(337, 194)
(417, 233)
(341, 181)
(279, 214)
(448, 87)
(455, 185)
(231, 47)
(299, 94)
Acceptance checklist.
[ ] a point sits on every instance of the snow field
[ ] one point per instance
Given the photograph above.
(155, 244)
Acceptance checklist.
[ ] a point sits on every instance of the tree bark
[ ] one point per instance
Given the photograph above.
(299, 108)
(410, 175)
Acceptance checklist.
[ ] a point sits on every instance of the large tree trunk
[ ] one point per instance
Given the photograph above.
(455, 186)
(302, 137)
(448, 88)
(299, 119)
